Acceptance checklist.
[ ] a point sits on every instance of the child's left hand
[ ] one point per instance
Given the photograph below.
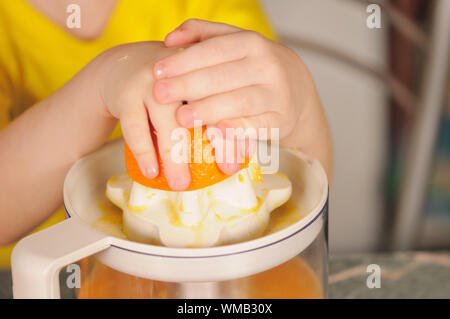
(232, 78)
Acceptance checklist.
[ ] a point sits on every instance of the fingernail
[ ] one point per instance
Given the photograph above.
(162, 91)
(160, 70)
(176, 30)
(179, 183)
(150, 172)
(186, 116)
(172, 32)
(230, 168)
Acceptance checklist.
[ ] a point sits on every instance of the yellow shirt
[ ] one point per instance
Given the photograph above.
(37, 57)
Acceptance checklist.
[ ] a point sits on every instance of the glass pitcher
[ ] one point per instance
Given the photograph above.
(290, 261)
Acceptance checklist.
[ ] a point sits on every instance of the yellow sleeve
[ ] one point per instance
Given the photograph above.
(246, 14)
(5, 103)
(7, 71)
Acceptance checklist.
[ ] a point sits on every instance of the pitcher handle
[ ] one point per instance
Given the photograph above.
(37, 259)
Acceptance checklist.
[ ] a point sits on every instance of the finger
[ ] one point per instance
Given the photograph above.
(136, 132)
(246, 101)
(202, 83)
(231, 163)
(210, 52)
(267, 126)
(195, 30)
(245, 139)
(225, 151)
(176, 169)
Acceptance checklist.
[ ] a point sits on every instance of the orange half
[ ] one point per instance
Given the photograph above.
(203, 173)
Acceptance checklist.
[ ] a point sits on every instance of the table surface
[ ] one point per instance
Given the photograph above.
(403, 275)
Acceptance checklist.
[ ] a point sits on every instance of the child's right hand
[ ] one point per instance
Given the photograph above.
(127, 93)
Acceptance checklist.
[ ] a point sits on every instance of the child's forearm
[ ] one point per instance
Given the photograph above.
(39, 147)
(311, 135)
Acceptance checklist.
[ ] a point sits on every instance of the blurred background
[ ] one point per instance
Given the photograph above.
(386, 93)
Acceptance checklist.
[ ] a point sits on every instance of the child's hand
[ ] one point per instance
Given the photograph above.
(232, 78)
(128, 96)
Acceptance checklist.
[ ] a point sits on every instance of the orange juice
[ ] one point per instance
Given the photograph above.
(291, 280)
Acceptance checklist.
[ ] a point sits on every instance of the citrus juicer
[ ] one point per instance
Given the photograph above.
(186, 272)
(215, 209)
(230, 211)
